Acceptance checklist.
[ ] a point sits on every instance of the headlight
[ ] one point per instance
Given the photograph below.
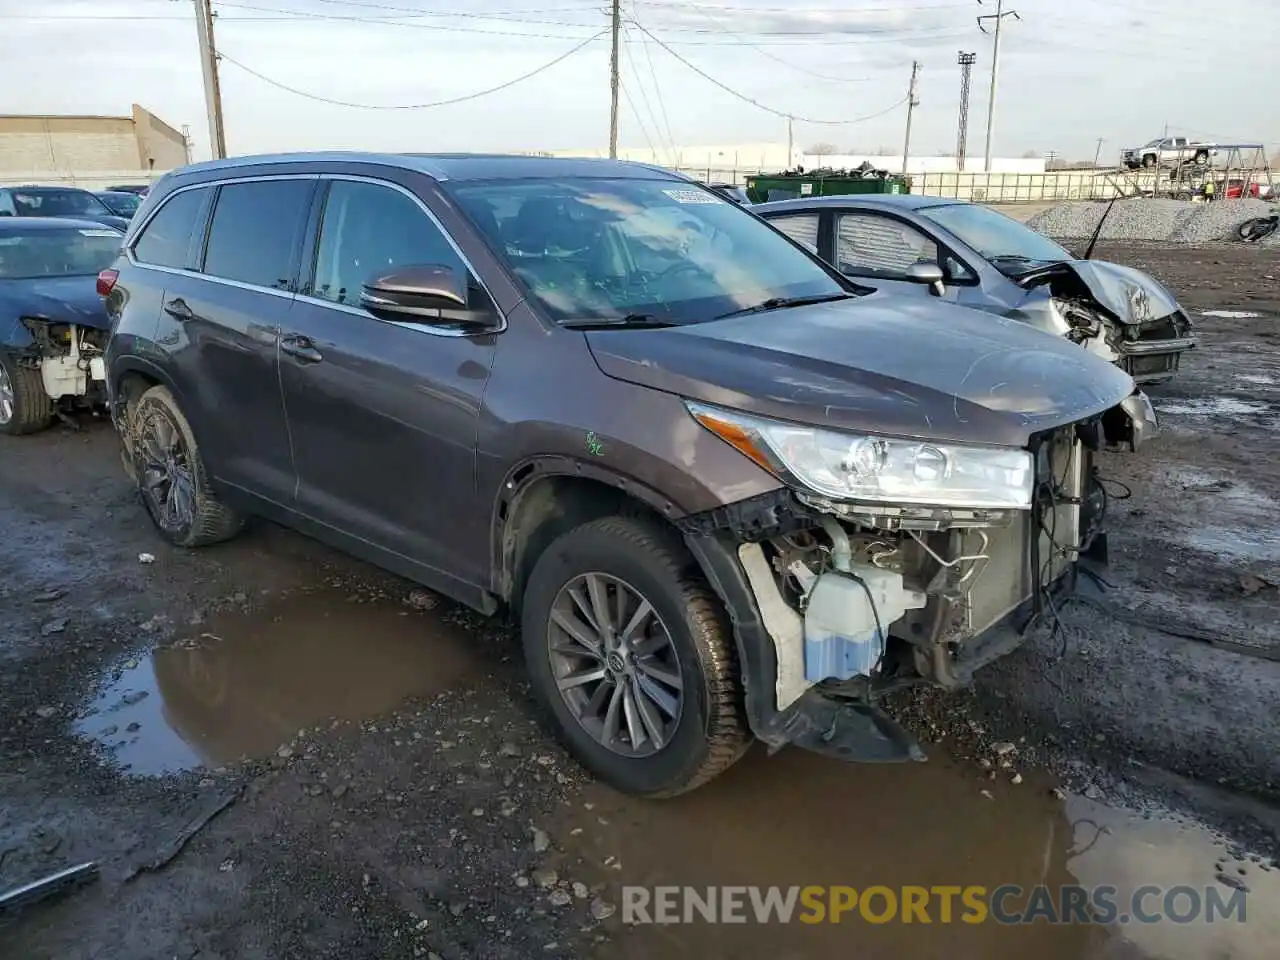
(849, 466)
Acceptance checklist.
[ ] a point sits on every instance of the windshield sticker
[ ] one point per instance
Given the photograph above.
(99, 233)
(693, 196)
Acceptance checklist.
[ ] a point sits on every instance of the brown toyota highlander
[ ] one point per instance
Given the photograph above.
(727, 493)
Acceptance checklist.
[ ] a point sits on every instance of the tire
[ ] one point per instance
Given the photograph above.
(1201, 158)
(25, 407)
(1149, 160)
(708, 733)
(1259, 228)
(171, 476)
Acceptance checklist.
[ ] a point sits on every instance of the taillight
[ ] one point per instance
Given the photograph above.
(107, 281)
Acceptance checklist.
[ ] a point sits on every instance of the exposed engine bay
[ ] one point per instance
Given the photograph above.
(70, 360)
(1133, 332)
(863, 599)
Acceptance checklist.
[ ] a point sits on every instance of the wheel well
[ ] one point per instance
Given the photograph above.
(551, 506)
(132, 385)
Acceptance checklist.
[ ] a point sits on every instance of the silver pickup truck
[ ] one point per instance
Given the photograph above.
(1167, 151)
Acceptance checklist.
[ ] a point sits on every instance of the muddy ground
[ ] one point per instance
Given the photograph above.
(387, 790)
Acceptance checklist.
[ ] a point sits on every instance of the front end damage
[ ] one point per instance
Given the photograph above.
(838, 604)
(70, 359)
(1117, 313)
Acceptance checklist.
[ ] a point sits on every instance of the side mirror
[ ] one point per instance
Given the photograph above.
(930, 273)
(427, 294)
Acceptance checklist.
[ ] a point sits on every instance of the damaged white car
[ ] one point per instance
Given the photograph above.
(53, 323)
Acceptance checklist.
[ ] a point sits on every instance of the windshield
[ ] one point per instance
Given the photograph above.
(122, 204)
(57, 203)
(993, 234)
(57, 253)
(609, 249)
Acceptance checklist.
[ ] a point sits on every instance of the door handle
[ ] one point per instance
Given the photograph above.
(178, 309)
(300, 347)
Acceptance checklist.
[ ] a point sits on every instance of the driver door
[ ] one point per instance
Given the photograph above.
(383, 415)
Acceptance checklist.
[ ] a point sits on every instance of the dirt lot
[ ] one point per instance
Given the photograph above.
(386, 790)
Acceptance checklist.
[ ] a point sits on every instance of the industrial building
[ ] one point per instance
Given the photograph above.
(48, 147)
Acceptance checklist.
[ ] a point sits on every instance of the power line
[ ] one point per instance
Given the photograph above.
(644, 99)
(756, 103)
(413, 106)
(639, 120)
(657, 89)
(679, 4)
(765, 53)
(395, 21)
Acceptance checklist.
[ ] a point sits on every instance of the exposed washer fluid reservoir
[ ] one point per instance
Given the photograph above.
(840, 635)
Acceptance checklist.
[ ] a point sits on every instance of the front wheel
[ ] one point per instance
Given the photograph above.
(25, 407)
(171, 475)
(1149, 160)
(632, 655)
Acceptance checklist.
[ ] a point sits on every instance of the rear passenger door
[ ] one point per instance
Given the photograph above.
(224, 326)
(384, 415)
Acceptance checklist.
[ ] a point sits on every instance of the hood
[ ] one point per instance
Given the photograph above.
(902, 366)
(1130, 296)
(60, 299)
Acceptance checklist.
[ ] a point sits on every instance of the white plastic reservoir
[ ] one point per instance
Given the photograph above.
(840, 635)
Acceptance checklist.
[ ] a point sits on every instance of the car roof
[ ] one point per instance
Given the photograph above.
(889, 201)
(27, 224)
(458, 166)
(48, 188)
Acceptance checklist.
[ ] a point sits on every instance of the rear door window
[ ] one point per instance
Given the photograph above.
(370, 230)
(869, 245)
(166, 239)
(800, 227)
(255, 231)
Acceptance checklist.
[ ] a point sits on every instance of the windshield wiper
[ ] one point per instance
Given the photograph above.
(782, 303)
(632, 321)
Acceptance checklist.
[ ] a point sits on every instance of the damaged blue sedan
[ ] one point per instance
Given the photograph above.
(53, 323)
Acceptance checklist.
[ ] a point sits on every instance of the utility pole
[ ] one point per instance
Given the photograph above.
(790, 141)
(998, 17)
(209, 65)
(912, 101)
(966, 61)
(1097, 154)
(613, 81)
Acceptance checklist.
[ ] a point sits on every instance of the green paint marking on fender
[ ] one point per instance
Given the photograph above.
(595, 444)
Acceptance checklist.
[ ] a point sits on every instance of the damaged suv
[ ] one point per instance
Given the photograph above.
(969, 254)
(727, 493)
(53, 325)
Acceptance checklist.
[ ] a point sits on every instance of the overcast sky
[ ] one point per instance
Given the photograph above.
(1070, 72)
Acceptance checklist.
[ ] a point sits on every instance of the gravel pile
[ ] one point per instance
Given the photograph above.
(1218, 221)
(1175, 221)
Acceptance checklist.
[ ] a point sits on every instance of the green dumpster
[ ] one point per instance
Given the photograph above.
(788, 186)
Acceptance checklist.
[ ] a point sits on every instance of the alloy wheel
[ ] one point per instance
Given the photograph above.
(6, 396)
(615, 664)
(166, 475)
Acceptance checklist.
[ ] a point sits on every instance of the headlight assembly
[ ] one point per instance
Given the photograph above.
(864, 467)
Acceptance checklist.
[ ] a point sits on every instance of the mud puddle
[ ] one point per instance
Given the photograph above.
(800, 820)
(248, 683)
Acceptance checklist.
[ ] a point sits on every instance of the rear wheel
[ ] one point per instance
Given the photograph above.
(171, 476)
(25, 407)
(632, 655)
(1149, 160)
